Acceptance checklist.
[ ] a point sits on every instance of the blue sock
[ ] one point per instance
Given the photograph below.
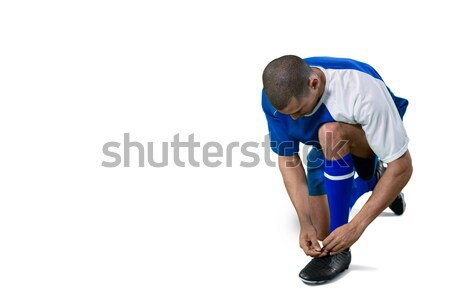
(360, 186)
(339, 185)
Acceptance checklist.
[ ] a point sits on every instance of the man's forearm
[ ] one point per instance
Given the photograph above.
(390, 185)
(294, 178)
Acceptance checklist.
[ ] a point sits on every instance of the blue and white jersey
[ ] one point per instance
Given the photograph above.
(354, 94)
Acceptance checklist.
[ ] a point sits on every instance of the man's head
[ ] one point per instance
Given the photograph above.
(288, 83)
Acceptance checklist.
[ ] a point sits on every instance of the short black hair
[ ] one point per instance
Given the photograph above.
(284, 78)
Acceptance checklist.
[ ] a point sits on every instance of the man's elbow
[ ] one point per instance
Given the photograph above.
(402, 166)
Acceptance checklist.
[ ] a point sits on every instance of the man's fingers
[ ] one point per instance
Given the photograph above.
(337, 249)
(327, 241)
(331, 245)
(309, 249)
(316, 246)
(314, 253)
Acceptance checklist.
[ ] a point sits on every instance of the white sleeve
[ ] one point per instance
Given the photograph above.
(381, 122)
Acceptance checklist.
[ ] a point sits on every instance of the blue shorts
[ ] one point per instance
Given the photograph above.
(314, 176)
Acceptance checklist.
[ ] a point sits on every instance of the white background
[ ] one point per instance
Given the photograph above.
(77, 74)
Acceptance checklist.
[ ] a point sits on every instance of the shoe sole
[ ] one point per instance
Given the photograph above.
(321, 281)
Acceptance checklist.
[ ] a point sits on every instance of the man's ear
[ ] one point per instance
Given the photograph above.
(313, 82)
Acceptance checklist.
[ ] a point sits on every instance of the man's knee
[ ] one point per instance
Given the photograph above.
(330, 131)
(333, 140)
(330, 127)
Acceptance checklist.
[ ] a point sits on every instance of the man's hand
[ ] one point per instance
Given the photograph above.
(309, 243)
(341, 238)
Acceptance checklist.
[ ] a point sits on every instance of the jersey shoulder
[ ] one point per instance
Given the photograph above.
(338, 63)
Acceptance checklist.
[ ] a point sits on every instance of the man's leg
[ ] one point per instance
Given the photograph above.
(339, 141)
(360, 187)
(365, 162)
(320, 213)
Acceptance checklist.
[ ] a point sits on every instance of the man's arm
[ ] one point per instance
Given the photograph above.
(294, 178)
(390, 185)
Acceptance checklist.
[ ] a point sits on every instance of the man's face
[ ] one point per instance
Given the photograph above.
(300, 107)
